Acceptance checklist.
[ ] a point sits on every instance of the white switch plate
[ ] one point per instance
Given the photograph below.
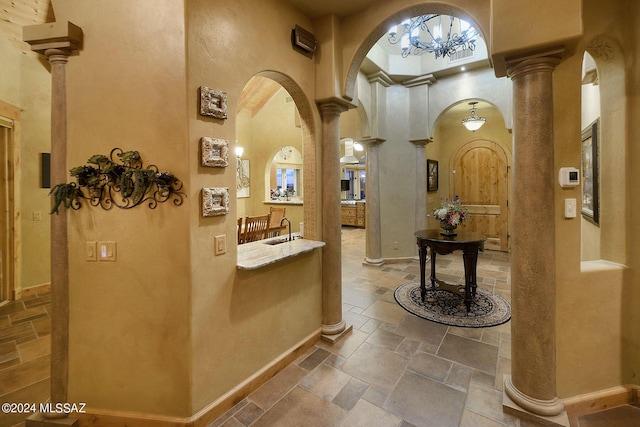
(107, 251)
(570, 208)
(220, 244)
(90, 248)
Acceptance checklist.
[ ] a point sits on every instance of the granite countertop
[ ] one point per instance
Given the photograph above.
(258, 254)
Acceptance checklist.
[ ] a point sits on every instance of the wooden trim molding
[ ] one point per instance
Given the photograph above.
(600, 400)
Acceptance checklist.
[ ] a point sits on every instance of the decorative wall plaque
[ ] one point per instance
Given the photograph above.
(213, 103)
(214, 152)
(215, 201)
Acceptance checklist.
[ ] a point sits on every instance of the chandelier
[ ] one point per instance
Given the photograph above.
(473, 122)
(425, 33)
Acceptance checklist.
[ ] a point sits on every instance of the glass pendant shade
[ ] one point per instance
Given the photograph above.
(473, 122)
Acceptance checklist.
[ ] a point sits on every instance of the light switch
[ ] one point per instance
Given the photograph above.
(220, 244)
(107, 251)
(570, 208)
(90, 251)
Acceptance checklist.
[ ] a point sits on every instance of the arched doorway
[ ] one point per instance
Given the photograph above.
(480, 177)
(274, 118)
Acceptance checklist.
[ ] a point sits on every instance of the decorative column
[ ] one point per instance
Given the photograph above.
(373, 254)
(333, 326)
(57, 42)
(532, 383)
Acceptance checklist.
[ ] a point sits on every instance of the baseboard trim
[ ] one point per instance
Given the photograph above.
(204, 417)
(33, 290)
(589, 403)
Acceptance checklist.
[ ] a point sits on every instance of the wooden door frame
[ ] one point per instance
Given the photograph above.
(11, 270)
(498, 148)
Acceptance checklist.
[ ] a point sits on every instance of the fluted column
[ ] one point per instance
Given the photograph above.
(333, 326)
(532, 384)
(57, 42)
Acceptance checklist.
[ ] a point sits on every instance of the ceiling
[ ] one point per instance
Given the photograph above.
(257, 93)
(16, 14)
(341, 8)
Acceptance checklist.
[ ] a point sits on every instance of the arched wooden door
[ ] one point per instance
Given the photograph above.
(480, 177)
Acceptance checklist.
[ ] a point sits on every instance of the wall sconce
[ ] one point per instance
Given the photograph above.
(239, 151)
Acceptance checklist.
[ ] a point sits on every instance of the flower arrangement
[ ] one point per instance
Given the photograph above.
(451, 212)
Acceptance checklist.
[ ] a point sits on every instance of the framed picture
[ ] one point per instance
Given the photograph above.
(214, 152)
(243, 183)
(213, 103)
(215, 201)
(590, 173)
(432, 175)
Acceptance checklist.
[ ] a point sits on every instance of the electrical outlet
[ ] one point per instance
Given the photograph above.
(90, 251)
(220, 244)
(107, 251)
(395, 245)
(37, 216)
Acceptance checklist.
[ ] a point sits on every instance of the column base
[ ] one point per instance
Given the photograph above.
(333, 333)
(373, 261)
(40, 420)
(542, 412)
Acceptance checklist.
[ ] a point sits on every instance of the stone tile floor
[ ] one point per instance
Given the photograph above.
(394, 369)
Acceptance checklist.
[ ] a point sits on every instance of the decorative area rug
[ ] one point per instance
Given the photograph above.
(487, 308)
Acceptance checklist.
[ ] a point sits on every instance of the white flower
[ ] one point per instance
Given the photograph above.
(441, 213)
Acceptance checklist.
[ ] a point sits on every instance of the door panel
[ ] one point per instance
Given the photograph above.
(480, 178)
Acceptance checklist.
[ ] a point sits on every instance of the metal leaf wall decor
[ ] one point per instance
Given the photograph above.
(118, 180)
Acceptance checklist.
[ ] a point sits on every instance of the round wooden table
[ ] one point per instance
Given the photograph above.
(467, 242)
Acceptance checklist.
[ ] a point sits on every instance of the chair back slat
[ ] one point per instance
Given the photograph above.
(256, 228)
(274, 224)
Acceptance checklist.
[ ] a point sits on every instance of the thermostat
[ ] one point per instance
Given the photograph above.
(569, 177)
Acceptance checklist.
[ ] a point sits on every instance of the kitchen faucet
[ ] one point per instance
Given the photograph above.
(289, 222)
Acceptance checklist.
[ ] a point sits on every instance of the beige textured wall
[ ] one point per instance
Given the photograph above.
(169, 328)
(242, 320)
(130, 321)
(594, 308)
(26, 84)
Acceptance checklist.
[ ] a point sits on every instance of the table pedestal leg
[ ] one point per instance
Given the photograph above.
(422, 254)
(470, 261)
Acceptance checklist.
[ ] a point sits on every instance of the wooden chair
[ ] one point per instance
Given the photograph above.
(276, 216)
(240, 231)
(256, 228)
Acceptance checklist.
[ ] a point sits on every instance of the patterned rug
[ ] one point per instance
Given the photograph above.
(487, 308)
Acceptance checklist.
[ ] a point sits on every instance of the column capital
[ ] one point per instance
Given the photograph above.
(333, 106)
(542, 61)
(63, 37)
(371, 142)
(380, 77)
(421, 142)
(427, 79)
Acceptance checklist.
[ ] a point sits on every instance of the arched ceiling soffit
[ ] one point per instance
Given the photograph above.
(461, 109)
(297, 94)
(358, 39)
